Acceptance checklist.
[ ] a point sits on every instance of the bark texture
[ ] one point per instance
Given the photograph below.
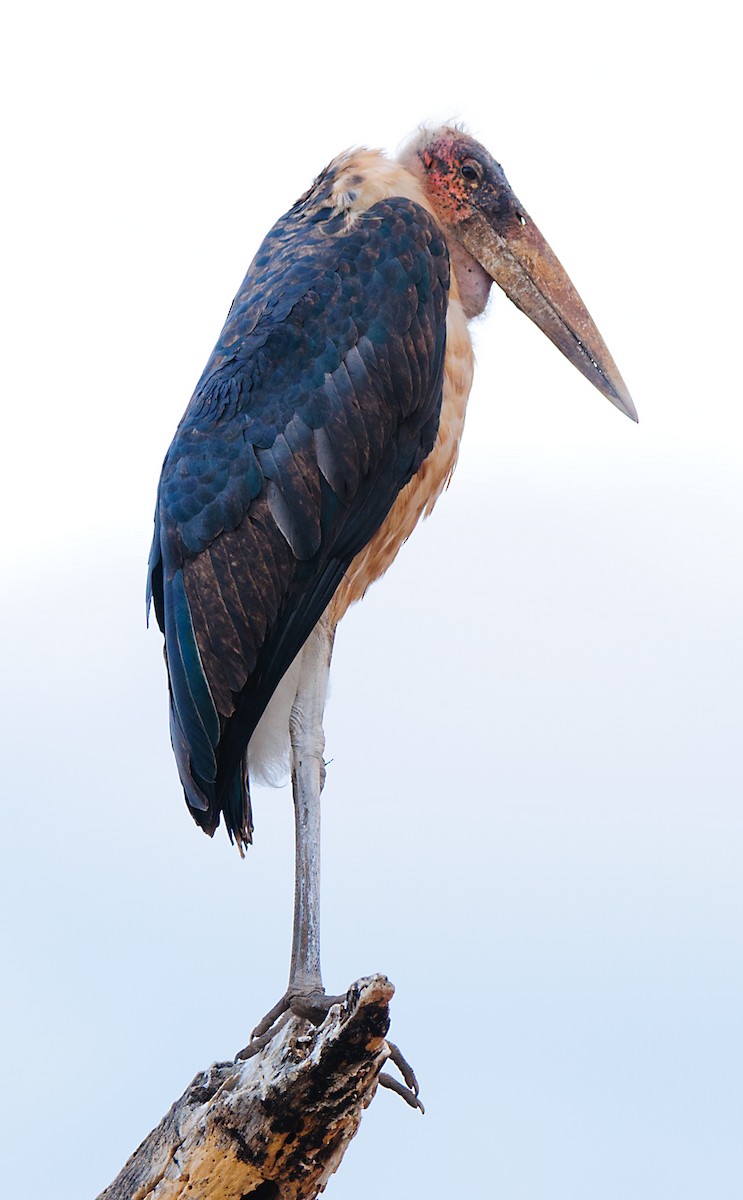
(274, 1126)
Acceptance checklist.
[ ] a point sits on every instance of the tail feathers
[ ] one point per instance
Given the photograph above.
(238, 813)
(200, 794)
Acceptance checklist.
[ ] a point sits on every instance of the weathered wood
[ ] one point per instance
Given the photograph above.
(276, 1125)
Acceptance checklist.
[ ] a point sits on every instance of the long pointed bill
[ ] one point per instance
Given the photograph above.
(513, 252)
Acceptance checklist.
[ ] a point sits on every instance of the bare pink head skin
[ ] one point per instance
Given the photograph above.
(436, 161)
(492, 238)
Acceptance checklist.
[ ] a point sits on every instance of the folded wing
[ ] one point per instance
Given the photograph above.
(320, 401)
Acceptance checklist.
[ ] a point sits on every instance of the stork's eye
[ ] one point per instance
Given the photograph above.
(469, 172)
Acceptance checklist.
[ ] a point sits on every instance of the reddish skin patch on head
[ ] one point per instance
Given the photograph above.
(450, 192)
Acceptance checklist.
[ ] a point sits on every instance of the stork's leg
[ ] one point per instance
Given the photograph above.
(308, 779)
(305, 994)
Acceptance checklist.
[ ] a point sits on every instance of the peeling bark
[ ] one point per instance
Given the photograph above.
(274, 1126)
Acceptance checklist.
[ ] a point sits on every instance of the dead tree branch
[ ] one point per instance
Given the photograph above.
(275, 1126)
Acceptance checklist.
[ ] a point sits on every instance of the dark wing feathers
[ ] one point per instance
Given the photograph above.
(194, 720)
(320, 401)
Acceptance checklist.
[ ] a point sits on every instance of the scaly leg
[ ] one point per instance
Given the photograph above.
(305, 994)
(308, 778)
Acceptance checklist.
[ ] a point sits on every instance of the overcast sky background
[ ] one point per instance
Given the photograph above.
(533, 812)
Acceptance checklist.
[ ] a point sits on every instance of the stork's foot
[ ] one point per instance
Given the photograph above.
(314, 1006)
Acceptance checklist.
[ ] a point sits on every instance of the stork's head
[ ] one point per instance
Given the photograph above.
(492, 238)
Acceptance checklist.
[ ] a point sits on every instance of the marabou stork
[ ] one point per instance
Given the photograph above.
(325, 425)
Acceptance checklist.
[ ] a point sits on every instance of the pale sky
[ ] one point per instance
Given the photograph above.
(532, 821)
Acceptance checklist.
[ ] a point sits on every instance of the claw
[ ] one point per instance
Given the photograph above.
(409, 1093)
(404, 1067)
(395, 1086)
